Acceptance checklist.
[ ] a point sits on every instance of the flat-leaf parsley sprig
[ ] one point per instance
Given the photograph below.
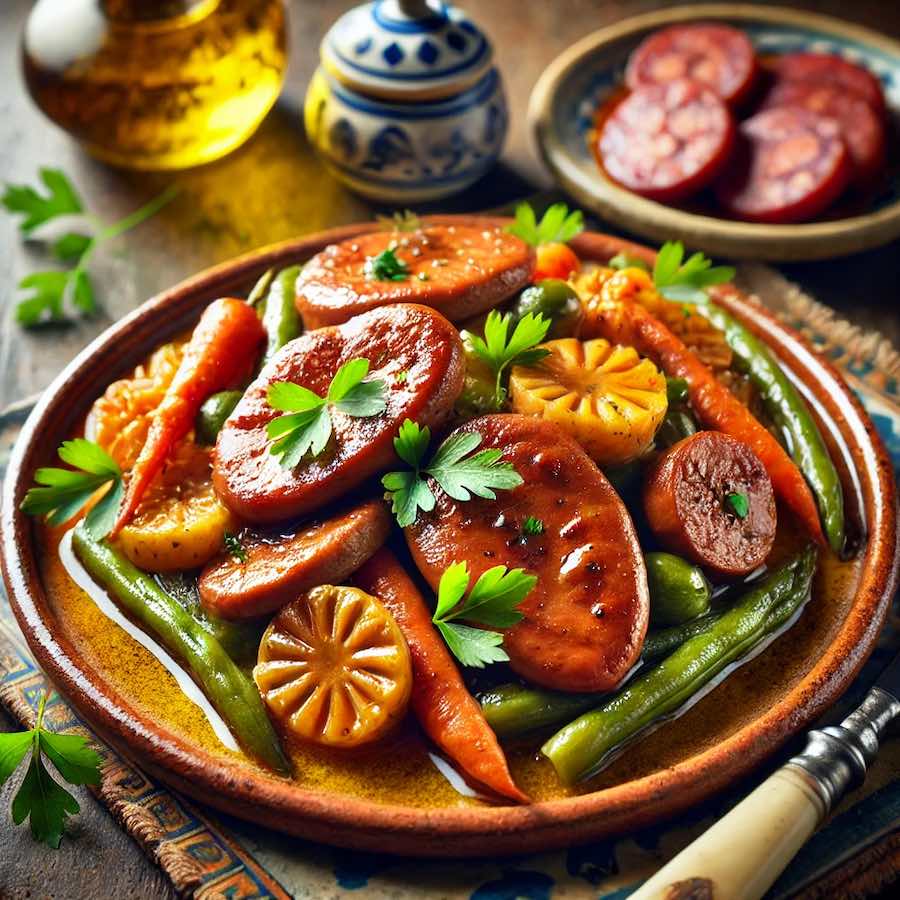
(52, 290)
(492, 602)
(455, 467)
(60, 494)
(308, 426)
(499, 350)
(687, 281)
(557, 226)
(41, 797)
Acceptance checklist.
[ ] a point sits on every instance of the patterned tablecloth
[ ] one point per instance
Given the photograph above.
(207, 855)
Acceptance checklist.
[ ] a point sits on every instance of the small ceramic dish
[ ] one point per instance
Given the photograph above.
(744, 720)
(566, 97)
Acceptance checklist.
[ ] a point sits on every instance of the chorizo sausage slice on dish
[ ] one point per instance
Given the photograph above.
(406, 338)
(793, 164)
(666, 141)
(460, 270)
(709, 498)
(276, 569)
(585, 620)
(862, 128)
(718, 56)
(447, 712)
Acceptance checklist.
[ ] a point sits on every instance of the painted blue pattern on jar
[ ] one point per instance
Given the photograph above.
(428, 53)
(393, 54)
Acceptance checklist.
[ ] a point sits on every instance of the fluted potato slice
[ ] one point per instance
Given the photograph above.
(334, 668)
(606, 397)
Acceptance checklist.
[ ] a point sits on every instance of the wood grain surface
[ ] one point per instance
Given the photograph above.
(272, 189)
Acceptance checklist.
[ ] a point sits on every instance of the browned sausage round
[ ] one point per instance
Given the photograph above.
(666, 141)
(460, 270)
(406, 338)
(791, 165)
(278, 568)
(695, 496)
(717, 55)
(585, 620)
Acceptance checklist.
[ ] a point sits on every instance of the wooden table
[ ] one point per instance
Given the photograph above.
(269, 190)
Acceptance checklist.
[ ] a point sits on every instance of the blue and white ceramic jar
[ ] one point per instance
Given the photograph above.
(407, 105)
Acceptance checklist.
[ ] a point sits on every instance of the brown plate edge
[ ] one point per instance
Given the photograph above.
(235, 787)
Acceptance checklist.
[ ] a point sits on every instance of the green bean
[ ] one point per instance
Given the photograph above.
(679, 591)
(212, 415)
(231, 692)
(677, 425)
(280, 317)
(677, 391)
(584, 746)
(662, 641)
(514, 709)
(257, 295)
(786, 408)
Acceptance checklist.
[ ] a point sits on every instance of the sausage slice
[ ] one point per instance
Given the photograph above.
(666, 141)
(460, 270)
(585, 620)
(411, 339)
(792, 165)
(692, 501)
(718, 56)
(278, 568)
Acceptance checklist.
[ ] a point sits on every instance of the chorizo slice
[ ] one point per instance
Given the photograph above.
(666, 141)
(709, 498)
(409, 339)
(835, 71)
(277, 568)
(447, 712)
(862, 128)
(460, 270)
(718, 56)
(791, 166)
(585, 620)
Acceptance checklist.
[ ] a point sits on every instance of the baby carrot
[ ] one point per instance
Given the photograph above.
(446, 710)
(223, 347)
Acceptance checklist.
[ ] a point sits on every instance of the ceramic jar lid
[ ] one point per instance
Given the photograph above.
(406, 50)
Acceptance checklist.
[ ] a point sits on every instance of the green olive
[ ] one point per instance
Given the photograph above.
(679, 590)
(554, 299)
(212, 415)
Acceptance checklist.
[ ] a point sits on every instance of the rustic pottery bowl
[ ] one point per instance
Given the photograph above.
(724, 736)
(567, 95)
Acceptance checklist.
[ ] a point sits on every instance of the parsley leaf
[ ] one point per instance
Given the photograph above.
(532, 527)
(234, 547)
(61, 200)
(492, 602)
(557, 226)
(686, 281)
(40, 797)
(399, 220)
(61, 493)
(738, 503)
(500, 351)
(458, 473)
(386, 267)
(308, 426)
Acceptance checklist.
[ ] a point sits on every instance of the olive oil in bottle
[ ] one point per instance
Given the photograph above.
(156, 84)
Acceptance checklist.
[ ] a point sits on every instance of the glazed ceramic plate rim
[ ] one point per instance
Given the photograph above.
(340, 819)
(741, 240)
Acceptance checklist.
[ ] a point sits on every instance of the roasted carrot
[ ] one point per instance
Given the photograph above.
(624, 321)
(447, 712)
(223, 347)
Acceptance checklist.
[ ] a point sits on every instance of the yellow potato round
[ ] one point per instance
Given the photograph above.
(334, 668)
(606, 397)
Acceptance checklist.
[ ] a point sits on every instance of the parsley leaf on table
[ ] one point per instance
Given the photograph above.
(61, 493)
(500, 350)
(386, 267)
(458, 473)
(62, 200)
(686, 281)
(40, 797)
(307, 428)
(557, 226)
(492, 602)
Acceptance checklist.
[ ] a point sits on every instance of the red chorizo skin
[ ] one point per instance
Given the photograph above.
(684, 499)
(464, 271)
(585, 620)
(278, 568)
(447, 712)
(403, 338)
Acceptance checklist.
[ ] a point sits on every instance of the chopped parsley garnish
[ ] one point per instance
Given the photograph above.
(532, 527)
(556, 226)
(234, 547)
(62, 493)
(386, 267)
(458, 470)
(41, 798)
(624, 261)
(308, 426)
(686, 281)
(738, 503)
(401, 376)
(492, 602)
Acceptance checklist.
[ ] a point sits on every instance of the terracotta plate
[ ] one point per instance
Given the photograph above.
(720, 739)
